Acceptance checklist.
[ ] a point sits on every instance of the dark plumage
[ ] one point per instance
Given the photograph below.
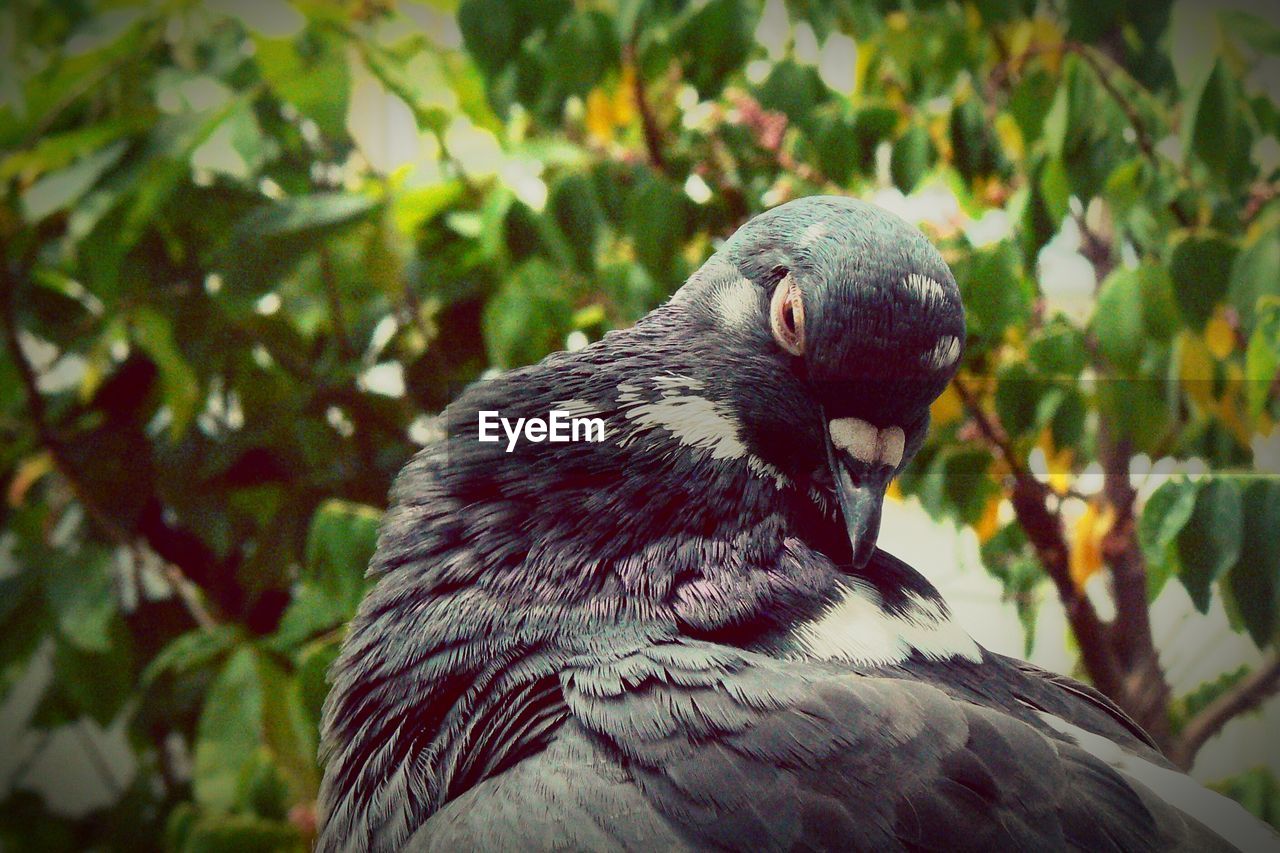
(683, 637)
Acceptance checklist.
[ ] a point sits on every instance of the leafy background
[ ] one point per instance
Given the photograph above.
(249, 247)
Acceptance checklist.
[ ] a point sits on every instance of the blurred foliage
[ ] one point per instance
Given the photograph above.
(247, 245)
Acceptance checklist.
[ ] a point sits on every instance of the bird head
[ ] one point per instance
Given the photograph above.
(752, 425)
(845, 325)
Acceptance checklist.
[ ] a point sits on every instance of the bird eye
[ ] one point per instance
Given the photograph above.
(786, 316)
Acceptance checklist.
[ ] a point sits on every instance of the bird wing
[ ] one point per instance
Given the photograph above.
(686, 744)
(744, 751)
(571, 796)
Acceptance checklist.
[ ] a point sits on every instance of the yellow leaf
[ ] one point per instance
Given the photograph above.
(612, 108)
(1010, 135)
(1046, 39)
(1219, 337)
(897, 21)
(1232, 406)
(1058, 463)
(894, 492)
(1195, 370)
(599, 115)
(1086, 542)
(29, 472)
(624, 102)
(989, 524)
(947, 409)
(1018, 37)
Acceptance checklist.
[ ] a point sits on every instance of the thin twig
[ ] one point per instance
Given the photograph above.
(334, 295)
(1245, 696)
(648, 122)
(1141, 132)
(991, 431)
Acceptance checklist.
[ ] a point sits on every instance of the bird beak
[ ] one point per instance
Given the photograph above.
(863, 460)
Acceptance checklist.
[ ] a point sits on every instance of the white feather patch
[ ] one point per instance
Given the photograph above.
(856, 437)
(893, 441)
(924, 287)
(864, 442)
(858, 629)
(577, 409)
(696, 422)
(1221, 814)
(814, 233)
(739, 303)
(944, 352)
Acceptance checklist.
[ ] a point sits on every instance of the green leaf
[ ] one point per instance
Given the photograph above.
(835, 144)
(310, 72)
(1262, 358)
(992, 288)
(97, 684)
(1017, 397)
(490, 30)
(1057, 349)
(1068, 122)
(287, 731)
(1256, 274)
(60, 150)
(269, 240)
(1256, 31)
(1030, 102)
(1209, 543)
(190, 651)
(657, 216)
(81, 594)
(1254, 581)
(717, 39)
(1257, 790)
(975, 151)
(340, 543)
(577, 211)
(305, 215)
(529, 316)
(237, 147)
(242, 834)
(968, 487)
(414, 208)
(584, 50)
(1201, 267)
(911, 158)
(181, 386)
(1166, 512)
(1117, 321)
(227, 737)
(1217, 129)
(62, 189)
(1159, 311)
(1055, 188)
(793, 89)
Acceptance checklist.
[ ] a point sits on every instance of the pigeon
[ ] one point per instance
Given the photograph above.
(672, 629)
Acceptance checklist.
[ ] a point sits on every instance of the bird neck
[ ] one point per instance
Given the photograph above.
(498, 564)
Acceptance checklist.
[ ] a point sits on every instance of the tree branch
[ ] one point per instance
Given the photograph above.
(1043, 528)
(159, 536)
(648, 121)
(1245, 696)
(1145, 689)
